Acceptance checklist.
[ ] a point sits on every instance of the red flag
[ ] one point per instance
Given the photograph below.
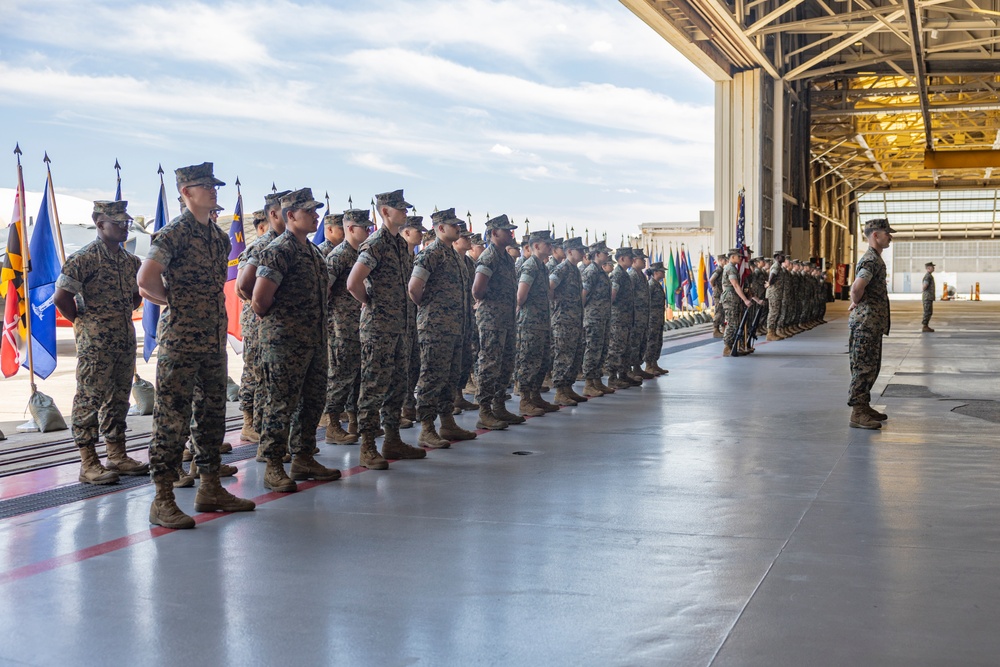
(234, 306)
(10, 358)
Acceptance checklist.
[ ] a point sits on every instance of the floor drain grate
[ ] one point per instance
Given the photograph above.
(523, 453)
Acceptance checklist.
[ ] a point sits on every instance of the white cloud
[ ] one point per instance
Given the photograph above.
(379, 163)
(600, 46)
(500, 149)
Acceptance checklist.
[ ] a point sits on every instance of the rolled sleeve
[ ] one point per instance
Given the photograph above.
(526, 278)
(865, 274)
(159, 254)
(271, 274)
(555, 279)
(367, 259)
(72, 286)
(421, 273)
(485, 270)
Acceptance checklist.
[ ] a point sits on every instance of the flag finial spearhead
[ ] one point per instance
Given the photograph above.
(274, 188)
(46, 159)
(17, 150)
(118, 167)
(238, 182)
(159, 169)
(350, 202)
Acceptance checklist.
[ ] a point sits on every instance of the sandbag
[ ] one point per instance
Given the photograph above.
(2, 436)
(232, 390)
(144, 395)
(45, 413)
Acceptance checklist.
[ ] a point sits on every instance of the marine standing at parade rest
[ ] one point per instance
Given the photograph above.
(534, 327)
(927, 295)
(715, 280)
(622, 322)
(495, 288)
(773, 293)
(657, 313)
(252, 393)
(758, 291)
(470, 341)
(437, 286)
(378, 280)
(290, 298)
(732, 296)
(640, 334)
(567, 323)
(185, 271)
(472, 257)
(412, 232)
(343, 313)
(97, 292)
(596, 297)
(869, 321)
(333, 232)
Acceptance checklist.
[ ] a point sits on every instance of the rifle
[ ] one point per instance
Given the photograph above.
(741, 330)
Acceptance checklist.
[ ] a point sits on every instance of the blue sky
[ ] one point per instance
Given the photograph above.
(567, 112)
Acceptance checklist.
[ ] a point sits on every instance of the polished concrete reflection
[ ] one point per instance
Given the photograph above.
(722, 515)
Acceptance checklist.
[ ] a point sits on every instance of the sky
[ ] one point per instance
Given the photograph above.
(570, 113)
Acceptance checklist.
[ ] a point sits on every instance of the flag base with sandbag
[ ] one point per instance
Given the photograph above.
(144, 395)
(45, 414)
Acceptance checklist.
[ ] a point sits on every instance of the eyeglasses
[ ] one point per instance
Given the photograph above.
(207, 186)
(369, 228)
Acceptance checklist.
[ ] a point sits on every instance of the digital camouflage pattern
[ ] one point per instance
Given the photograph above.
(927, 295)
(534, 328)
(443, 306)
(105, 280)
(293, 340)
(251, 388)
(715, 280)
(731, 303)
(343, 334)
(567, 323)
(596, 317)
(413, 369)
(470, 343)
(640, 335)
(657, 313)
(622, 320)
(869, 321)
(774, 294)
(385, 254)
(326, 247)
(534, 313)
(495, 321)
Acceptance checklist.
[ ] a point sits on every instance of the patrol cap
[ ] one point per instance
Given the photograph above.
(623, 252)
(113, 209)
(500, 222)
(878, 225)
(428, 237)
(217, 208)
(526, 239)
(557, 243)
(196, 174)
(415, 222)
(477, 239)
(445, 217)
(575, 243)
(356, 215)
(656, 266)
(928, 264)
(301, 199)
(637, 253)
(333, 220)
(274, 199)
(544, 236)
(258, 218)
(734, 251)
(599, 246)
(465, 233)
(778, 253)
(393, 199)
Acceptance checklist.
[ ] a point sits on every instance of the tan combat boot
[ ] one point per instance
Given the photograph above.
(716, 331)
(370, 458)
(336, 435)
(727, 351)
(488, 420)
(393, 446)
(404, 422)
(641, 374)
(527, 407)
(409, 413)
(563, 398)
(615, 382)
(653, 369)
(591, 390)
(429, 436)
(260, 454)
(276, 479)
(248, 434)
(463, 403)
(187, 454)
(185, 478)
(575, 396)
(225, 448)
(599, 383)
(91, 470)
(211, 497)
(926, 329)
(874, 414)
(304, 466)
(324, 420)
(772, 335)
(861, 419)
(451, 431)
(537, 400)
(501, 412)
(119, 461)
(352, 422)
(164, 511)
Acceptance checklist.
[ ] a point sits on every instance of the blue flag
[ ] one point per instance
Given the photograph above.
(692, 283)
(42, 274)
(150, 311)
(319, 236)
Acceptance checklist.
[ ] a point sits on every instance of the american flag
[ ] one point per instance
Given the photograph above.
(741, 220)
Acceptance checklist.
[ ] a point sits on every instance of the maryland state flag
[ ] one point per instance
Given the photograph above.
(234, 305)
(12, 273)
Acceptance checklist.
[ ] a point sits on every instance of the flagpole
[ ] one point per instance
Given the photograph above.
(26, 266)
(468, 216)
(327, 196)
(55, 209)
(374, 214)
(118, 180)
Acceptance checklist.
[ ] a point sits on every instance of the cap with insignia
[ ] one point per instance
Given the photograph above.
(656, 266)
(878, 225)
(575, 243)
(393, 199)
(415, 222)
(500, 222)
(259, 218)
(196, 174)
(544, 236)
(463, 229)
(477, 239)
(274, 199)
(929, 264)
(217, 208)
(301, 199)
(446, 217)
(734, 251)
(116, 210)
(333, 220)
(623, 252)
(599, 246)
(356, 216)
(637, 253)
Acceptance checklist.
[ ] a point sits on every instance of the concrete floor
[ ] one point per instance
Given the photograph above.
(723, 515)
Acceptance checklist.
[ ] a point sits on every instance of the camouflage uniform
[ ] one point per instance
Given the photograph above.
(343, 381)
(785, 286)
(495, 321)
(567, 323)
(413, 369)
(293, 344)
(640, 330)
(657, 313)
(385, 331)
(773, 293)
(719, 318)
(869, 321)
(326, 247)
(622, 321)
(596, 316)
(251, 386)
(440, 328)
(105, 339)
(927, 296)
(191, 350)
(470, 341)
(757, 289)
(730, 303)
(534, 328)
